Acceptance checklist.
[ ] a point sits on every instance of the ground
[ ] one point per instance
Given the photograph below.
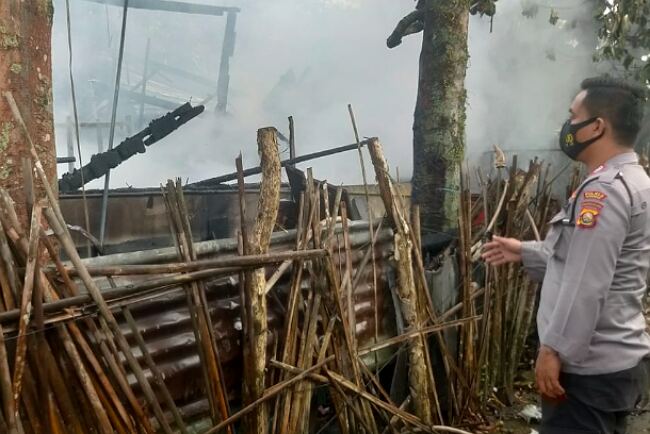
(513, 423)
(639, 424)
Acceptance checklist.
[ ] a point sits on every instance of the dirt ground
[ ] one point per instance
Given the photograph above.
(513, 423)
(639, 424)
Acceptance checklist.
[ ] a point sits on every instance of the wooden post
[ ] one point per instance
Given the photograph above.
(418, 376)
(257, 242)
(25, 71)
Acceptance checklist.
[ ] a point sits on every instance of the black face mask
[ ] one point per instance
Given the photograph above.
(568, 141)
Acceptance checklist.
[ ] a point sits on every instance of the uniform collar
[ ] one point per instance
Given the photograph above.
(616, 161)
(624, 158)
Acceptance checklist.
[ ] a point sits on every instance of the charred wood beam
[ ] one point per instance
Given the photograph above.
(171, 6)
(257, 170)
(100, 164)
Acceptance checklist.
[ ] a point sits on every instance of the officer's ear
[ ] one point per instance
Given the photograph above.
(600, 126)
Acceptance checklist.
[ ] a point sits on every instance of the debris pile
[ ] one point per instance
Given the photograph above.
(74, 358)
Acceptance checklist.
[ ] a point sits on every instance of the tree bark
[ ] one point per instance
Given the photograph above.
(26, 72)
(439, 124)
(255, 281)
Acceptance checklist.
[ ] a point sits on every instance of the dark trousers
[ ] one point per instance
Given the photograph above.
(595, 404)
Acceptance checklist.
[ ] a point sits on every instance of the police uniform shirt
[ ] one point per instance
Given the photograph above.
(593, 264)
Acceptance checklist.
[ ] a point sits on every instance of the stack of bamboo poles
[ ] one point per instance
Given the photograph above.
(515, 204)
(317, 345)
(66, 368)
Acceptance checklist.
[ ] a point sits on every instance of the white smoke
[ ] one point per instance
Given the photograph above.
(309, 59)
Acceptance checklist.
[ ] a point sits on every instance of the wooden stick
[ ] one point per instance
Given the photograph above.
(258, 242)
(22, 247)
(6, 388)
(277, 275)
(26, 303)
(105, 312)
(184, 267)
(393, 420)
(415, 333)
(268, 394)
(418, 377)
(351, 314)
(157, 375)
(407, 417)
(293, 370)
(5, 287)
(198, 313)
(10, 268)
(533, 226)
(109, 356)
(122, 292)
(282, 408)
(371, 225)
(57, 222)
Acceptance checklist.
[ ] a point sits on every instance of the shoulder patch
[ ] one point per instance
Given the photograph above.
(594, 195)
(588, 217)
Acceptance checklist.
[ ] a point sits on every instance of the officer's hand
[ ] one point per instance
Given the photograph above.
(502, 251)
(547, 373)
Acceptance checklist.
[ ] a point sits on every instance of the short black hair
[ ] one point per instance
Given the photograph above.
(618, 101)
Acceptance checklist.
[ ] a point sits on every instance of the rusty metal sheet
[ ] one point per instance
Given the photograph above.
(167, 329)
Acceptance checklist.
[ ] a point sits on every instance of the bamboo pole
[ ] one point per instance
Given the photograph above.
(268, 394)
(6, 388)
(157, 375)
(91, 286)
(185, 267)
(418, 376)
(219, 386)
(122, 292)
(257, 243)
(22, 247)
(26, 303)
(370, 221)
(415, 333)
(283, 405)
(197, 307)
(407, 417)
(57, 222)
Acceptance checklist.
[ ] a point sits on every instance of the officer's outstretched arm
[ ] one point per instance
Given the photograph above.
(534, 256)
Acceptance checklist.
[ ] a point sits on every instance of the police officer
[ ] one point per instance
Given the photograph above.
(593, 264)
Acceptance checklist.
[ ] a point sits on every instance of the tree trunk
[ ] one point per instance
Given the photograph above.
(26, 72)
(439, 125)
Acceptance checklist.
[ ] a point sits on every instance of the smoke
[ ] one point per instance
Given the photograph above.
(523, 75)
(309, 59)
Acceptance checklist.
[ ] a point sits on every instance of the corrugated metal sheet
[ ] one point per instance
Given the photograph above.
(167, 329)
(137, 218)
